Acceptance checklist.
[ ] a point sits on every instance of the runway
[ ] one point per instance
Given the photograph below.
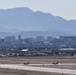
(61, 64)
(39, 69)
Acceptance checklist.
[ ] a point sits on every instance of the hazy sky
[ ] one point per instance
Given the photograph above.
(63, 8)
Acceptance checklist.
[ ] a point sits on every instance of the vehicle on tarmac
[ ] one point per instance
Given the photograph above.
(26, 63)
(55, 62)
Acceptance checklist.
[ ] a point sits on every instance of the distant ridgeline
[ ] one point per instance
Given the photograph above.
(24, 19)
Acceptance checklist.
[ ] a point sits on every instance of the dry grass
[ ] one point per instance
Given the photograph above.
(50, 59)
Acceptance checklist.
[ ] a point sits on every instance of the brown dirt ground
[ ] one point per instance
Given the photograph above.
(48, 60)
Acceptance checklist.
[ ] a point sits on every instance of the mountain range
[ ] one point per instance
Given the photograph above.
(26, 22)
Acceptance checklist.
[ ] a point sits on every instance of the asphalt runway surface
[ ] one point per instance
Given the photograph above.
(61, 64)
(39, 69)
